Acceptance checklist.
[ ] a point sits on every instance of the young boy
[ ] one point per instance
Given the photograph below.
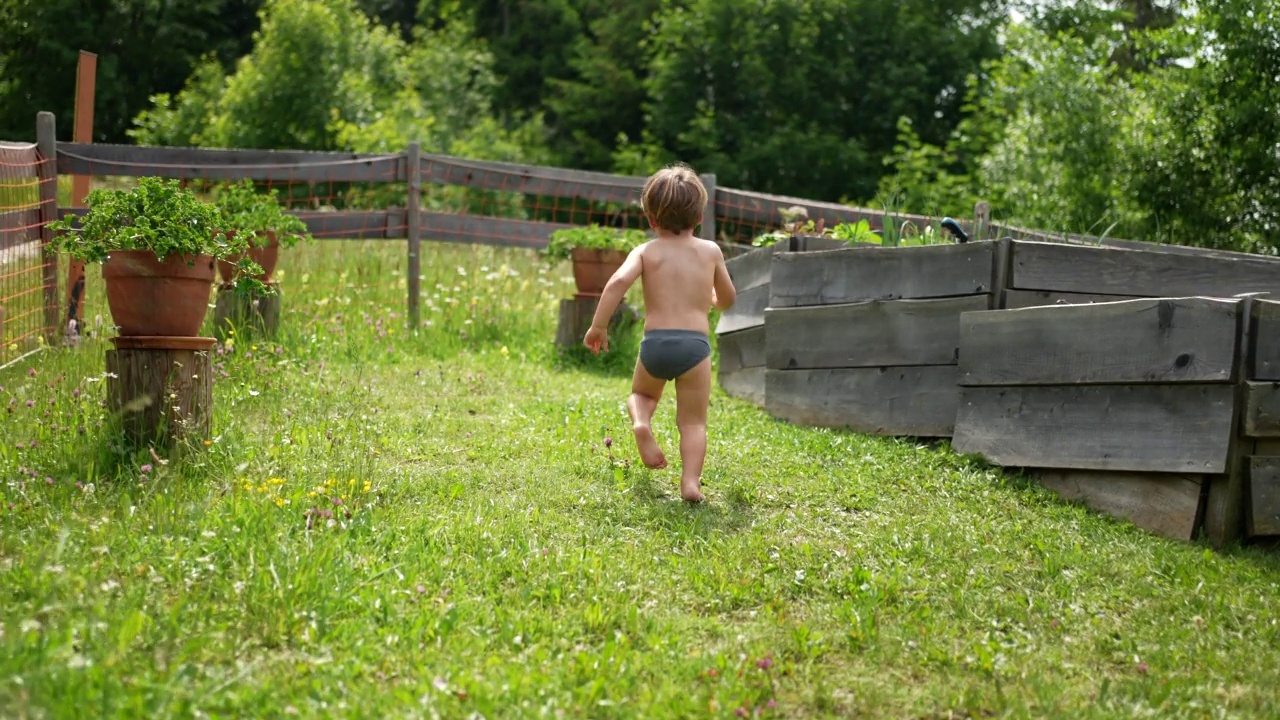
(683, 277)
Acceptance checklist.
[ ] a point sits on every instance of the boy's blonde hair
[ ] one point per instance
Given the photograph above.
(674, 198)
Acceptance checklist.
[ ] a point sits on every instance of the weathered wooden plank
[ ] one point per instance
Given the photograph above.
(1140, 428)
(532, 179)
(747, 311)
(1115, 271)
(850, 275)
(742, 349)
(1018, 233)
(1015, 299)
(745, 384)
(1132, 341)
(908, 401)
(1164, 504)
(1266, 340)
(869, 334)
(1224, 511)
(487, 230)
(357, 225)
(1263, 515)
(1262, 410)
(218, 164)
(751, 269)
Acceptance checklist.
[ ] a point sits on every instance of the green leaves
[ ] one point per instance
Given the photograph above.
(593, 237)
(159, 215)
(258, 215)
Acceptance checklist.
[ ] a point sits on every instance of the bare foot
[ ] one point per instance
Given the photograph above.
(650, 454)
(691, 490)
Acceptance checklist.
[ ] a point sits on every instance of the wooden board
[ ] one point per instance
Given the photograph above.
(486, 230)
(743, 349)
(1094, 241)
(101, 160)
(1266, 340)
(1262, 410)
(1140, 428)
(831, 277)
(751, 269)
(868, 334)
(532, 179)
(747, 311)
(1263, 514)
(1115, 271)
(1164, 504)
(1015, 299)
(916, 401)
(1131, 341)
(354, 225)
(745, 384)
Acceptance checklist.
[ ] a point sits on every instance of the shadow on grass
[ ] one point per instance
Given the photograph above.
(652, 500)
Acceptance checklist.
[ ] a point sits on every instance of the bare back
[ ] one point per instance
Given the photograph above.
(680, 275)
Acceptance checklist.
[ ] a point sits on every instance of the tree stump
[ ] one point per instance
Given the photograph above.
(246, 314)
(576, 314)
(161, 389)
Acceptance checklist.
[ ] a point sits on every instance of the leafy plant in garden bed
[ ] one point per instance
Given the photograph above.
(158, 244)
(262, 221)
(596, 251)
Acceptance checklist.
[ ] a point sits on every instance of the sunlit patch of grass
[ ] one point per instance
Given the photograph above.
(411, 522)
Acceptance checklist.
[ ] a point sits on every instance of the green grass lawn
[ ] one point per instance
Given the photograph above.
(387, 525)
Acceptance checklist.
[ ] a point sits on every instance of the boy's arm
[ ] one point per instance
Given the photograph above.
(723, 292)
(617, 287)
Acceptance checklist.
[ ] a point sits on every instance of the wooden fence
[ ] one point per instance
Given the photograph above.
(1135, 380)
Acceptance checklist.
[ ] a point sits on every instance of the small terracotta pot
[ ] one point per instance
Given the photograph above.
(267, 257)
(593, 268)
(152, 298)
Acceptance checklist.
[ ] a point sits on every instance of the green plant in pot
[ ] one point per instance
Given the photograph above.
(260, 220)
(597, 252)
(158, 244)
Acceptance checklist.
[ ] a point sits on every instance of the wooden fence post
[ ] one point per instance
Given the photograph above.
(86, 78)
(414, 232)
(709, 214)
(47, 142)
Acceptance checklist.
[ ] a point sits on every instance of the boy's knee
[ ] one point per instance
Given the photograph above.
(688, 426)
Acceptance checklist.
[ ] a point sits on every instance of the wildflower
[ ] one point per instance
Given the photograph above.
(337, 501)
(765, 662)
(504, 351)
(31, 403)
(31, 372)
(280, 502)
(75, 393)
(146, 468)
(608, 442)
(208, 443)
(368, 486)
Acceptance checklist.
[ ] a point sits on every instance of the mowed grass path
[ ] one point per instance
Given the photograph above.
(434, 527)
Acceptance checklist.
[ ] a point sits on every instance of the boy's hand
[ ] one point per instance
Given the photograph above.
(597, 339)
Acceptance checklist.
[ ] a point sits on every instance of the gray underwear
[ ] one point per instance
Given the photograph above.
(668, 354)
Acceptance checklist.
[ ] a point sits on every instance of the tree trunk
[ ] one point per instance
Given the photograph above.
(161, 389)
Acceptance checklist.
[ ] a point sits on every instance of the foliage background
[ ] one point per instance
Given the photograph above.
(1134, 118)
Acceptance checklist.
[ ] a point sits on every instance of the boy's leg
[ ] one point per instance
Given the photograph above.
(693, 395)
(646, 391)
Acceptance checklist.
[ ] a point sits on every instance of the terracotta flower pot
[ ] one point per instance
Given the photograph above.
(149, 297)
(267, 257)
(593, 268)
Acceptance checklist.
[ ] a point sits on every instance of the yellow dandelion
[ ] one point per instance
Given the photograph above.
(368, 486)
(248, 486)
(351, 483)
(312, 494)
(276, 481)
(280, 502)
(391, 331)
(330, 482)
(208, 443)
(253, 347)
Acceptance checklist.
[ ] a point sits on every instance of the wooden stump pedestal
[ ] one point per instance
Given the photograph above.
(247, 313)
(161, 389)
(576, 314)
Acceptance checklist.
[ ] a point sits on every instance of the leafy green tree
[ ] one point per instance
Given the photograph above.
(143, 47)
(803, 96)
